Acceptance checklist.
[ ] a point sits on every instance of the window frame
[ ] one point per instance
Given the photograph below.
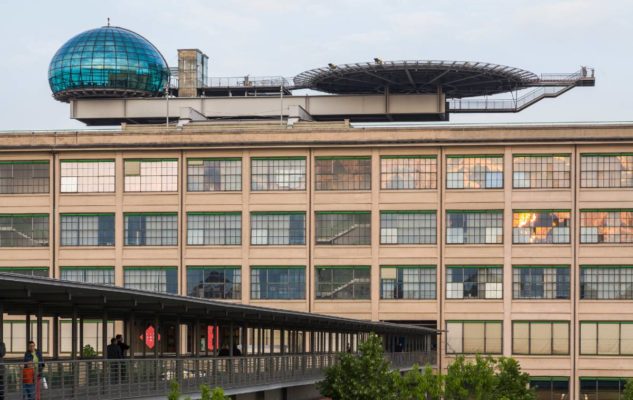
(268, 230)
(485, 339)
(617, 281)
(140, 175)
(584, 179)
(84, 270)
(332, 282)
(552, 338)
(98, 176)
(539, 213)
(540, 179)
(270, 177)
(302, 291)
(152, 268)
(78, 233)
(206, 234)
(22, 270)
(220, 160)
(384, 174)
(412, 220)
(332, 243)
(14, 192)
(499, 213)
(517, 267)
(126, 243)
(474, 156)
(583, 218)
(396, 283)
(477, 283)
(236, 286)
(598, 352)
(33, 231)
(349, 177)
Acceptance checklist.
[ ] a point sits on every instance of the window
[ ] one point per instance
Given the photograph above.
(606, 170)
(408, 227)
(474, 227)
(540, 282)
(343, 282)
(550, 387)
(278, 283)
(540, 337)
(22, 177)
(473, 337)
(96, 275)
(411, 282)
(606, 282)
(606, 338)
(606, 226)
(87, 176)
(23, 230)
(153, 279)
(87, 229)
(474, 282)
(278, 228)
(540, 171)
(602, 388)
(408, 172)
(343, 173)
(540, 226)
(92, 334)
(343, 228)
(15, 336)
(214, 282)
(30, 271)
(151, 175)
(214, 229)
(151, 229)
(474, 172)
(214, 174)
(278, 174)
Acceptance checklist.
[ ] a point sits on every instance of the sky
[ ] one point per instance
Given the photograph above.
(286, 37)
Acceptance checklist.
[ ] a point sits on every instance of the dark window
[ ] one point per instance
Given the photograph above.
(474, 227)
(408, 227)
(550, 388)
(87, 230)
(214, 282)
(540, 282)
(334, 283)
(476, 282)
(606, 170)
(37, 271)
(474, 172)
(22, 177)
(283, 228)
(214, 175)
(602, 388)
(408, 172)
(151, 229)
(343, 228)
(540, 226)
(278, 283)
(23, 230)
(214, 229)
(538, 171)
(95, 275)
(154, 279)
(343, 173)
(606, 282)
(407, 282)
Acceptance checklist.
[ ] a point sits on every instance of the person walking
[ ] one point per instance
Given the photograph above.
(113, 353)
(28, 381)
(3, 352)
(34, 359)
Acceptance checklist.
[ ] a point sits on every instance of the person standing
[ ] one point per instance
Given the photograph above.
(124, 348)
(34, 356)
(3, 352)
(114, 354)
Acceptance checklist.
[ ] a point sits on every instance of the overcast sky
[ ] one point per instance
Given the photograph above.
(286, 37)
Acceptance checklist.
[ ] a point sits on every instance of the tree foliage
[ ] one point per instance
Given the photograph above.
(425, 385)
(627, 394)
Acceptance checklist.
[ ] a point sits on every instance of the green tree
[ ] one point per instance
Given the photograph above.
(511, 383)
(215, 394)
(627, 394)
(427, 385)
(174, 390)
(366, 376)
(470, 380)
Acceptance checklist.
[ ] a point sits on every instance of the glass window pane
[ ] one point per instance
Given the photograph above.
(474, 172)
(278, 174)
(343, 228)
(408, 173)
(343, 173)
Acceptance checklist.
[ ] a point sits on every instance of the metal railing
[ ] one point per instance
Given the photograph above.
(134, 378)
(249, 82)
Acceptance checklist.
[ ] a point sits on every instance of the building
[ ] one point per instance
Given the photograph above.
(512, 240)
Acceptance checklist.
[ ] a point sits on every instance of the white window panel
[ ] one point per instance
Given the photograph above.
(455, 290)
(589, 234)
(389, 235)
(455, 235)
(260, 236)
(494, 290)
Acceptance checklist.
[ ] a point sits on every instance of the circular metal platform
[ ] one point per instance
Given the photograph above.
(456, 79)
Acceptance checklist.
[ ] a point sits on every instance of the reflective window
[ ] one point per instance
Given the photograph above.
(606, 282)
(96, 275)
(92, 334)
(550, 388)
(474, 227)
(278, 283)
(343, 228)
(538, 171)
(214, 174)
(214, 229)
(343, 173)
(606, 338)
(23, 230)
(278, 228)
(153, 279)
(87, 229)
(474, 282)
(540, 282)
(30, 271)
(21, 177)
(14, 336)
(602, 388)
(540, 226)
(348, 282)
(606, 170)
(411, 282)
(278, 174)
(474, 172)
(408, 172)
(408, 227)
(474, 337)
(151, 229)
(540, 337)
(151, 175)
(606, 226)
(214, 282)
(87, 176)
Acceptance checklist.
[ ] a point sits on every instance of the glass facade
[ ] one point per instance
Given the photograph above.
(540, 226)
(14, 336)
(474, 172)
(87, 229)
(278, 173)
(278, 228)
(24, 177)
(24, 230)
(92, 335)
(474, 282)
(540, 282)
(408, 172)
(606, 170)
(343, 228)
(408, 227)
(214, 174)
(278, 283)
(606, 338)
(87, 176)
(108, 59)
(606, 226)
(602, 388)
(95, 275)
(214, 282)
(153, 279)
(410, 282)
(343, 173)
(550, 387)
(540, 337)
(343, 282)
(214, 229)
(474, 337)
(541, 171)
(606, 282)
(474, 227)
(151, 229)
(151, 175)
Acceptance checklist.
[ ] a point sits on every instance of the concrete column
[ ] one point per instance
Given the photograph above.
(104, 334)
(40, 332)
(73, 335)
(55, 337)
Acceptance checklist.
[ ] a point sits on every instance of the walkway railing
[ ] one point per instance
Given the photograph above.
(133, 378)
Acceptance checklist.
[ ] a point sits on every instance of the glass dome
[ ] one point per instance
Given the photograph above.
(107, 62)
